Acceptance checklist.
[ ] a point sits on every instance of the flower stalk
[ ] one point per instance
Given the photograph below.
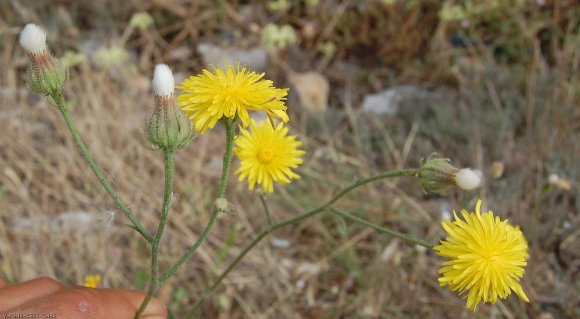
(154, 282)
(47, 76)
(62, 106)
(167, 130)
(383, 230)
(262, 234)
(228, 156)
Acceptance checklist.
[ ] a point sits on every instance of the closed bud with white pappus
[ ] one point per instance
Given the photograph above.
(437, 174)
(167, 128)
(468, 179)
(163, 83)
(45, 74)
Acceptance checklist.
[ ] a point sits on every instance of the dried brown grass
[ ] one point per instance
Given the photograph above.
(332, 268)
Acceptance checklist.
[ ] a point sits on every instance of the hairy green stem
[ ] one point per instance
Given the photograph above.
(384, 230)
(293, 220)
(63, 108)
(264, 201)
(228, 156)
(167, 198)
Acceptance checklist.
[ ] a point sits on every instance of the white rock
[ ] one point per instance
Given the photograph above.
(313, 89)
(388, 102)
(300, 284)
(280, 243)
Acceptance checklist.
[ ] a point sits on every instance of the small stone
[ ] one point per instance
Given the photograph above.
(388, 102)
(496, 169)
(313, 89)
(280, 243)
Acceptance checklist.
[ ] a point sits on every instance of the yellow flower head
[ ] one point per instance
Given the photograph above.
(267, 155)
(92, 281)
(208, 97)
(488, 257)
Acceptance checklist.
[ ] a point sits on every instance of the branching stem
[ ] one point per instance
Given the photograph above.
(63, 108)
(294, 220)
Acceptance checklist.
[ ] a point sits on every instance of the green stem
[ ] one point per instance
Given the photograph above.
(63, 108)
(167, 196)
(293, 220)
(264, 201)
(228, 156)
(385, 230)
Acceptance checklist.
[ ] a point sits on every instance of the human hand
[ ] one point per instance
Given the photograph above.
(47, 298)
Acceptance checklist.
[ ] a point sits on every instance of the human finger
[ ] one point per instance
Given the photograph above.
(81, 302)
(15, 295)
(3, 283)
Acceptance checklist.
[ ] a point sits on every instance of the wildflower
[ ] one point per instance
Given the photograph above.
(436, 174)
(141, 20)
(488, 257)
(278, 5)
(167, 128)
(267, 155)
(111, 57)
(92, 281)
(328, 48)
(274, 37)
(208, 97)
(45, 74)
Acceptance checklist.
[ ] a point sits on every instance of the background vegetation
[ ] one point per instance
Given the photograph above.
(499, 92)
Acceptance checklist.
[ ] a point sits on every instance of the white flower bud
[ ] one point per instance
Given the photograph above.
(467, 179)
(163, 83)
(168, 128)
(33, 39)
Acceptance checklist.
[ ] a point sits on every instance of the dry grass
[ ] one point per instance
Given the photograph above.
(525, 116)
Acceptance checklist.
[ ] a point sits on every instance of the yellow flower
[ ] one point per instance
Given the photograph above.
(267, 155)
(92, 281)
(488, 257)
(208, 97)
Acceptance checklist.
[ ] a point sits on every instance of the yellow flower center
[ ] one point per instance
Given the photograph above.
(228, 91)
(265, 155)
